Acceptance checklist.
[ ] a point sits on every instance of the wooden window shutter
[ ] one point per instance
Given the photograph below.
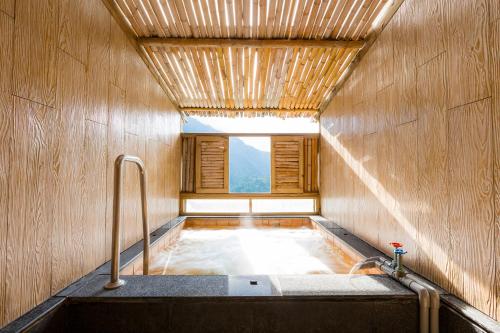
(212, 164)
(287, 167)
(188, 163)
(311, 165)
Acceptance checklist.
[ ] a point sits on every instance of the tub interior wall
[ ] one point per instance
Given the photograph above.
(248, 246)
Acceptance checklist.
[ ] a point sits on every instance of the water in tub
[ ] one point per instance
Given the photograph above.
(251, 251)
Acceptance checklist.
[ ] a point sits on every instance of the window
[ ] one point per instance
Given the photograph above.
(268, 125)
(250, 205)
(283, 206)
(217, 206)
(249, 164)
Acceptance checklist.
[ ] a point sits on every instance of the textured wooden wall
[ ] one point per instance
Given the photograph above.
(411, 145)
(73, 95)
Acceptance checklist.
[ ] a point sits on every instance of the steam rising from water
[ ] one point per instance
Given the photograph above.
(250, 251)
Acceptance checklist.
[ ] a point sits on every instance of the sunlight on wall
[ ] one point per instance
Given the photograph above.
(434, 252)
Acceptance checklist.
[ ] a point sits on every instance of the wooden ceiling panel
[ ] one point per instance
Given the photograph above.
(248, 57)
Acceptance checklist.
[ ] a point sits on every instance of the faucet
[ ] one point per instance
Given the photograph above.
(397, 261)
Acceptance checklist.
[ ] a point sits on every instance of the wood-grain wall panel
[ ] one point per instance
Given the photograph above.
(115, 147)
(386, 188)
(35, 50)
(384, 55)
(404, 37)
(7, 6)
(429, 121)
(117, 56)
(132, 223)
(67, 264)
(495, 84)
(6, 127)
(6, 49)
(429, 28)
(406, 189)
(63, 105)
(98, 63)
(153, 153)
(434, 230)
(471, 204)
(467, 40)
(74, 24)
(94, 195)
(6, 123)
(371, 205)
(31, 198)
(494, 10)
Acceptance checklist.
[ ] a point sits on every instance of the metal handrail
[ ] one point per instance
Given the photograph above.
(115, 281)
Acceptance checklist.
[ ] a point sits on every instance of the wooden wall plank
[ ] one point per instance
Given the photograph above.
(6, 127)
(386, 189)
(116, 147)
(6, 124)
(430, 32)
(370, 203)
(406, 190)
(6, 49)
(495, 83)
(384, 53)
(434, 228)
(325, 161)
(405, 52)
(494, 11)
(132, 227)
(74, 23)
(35, 51)
(98, 63)
(471, 205)
(94, 195)
(67, 264)
(467, 52)
(7, 6)
(30, 204)
(118, 41)
(385, 110)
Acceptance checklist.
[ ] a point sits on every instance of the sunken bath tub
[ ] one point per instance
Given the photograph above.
(249, 246)
(218, 274)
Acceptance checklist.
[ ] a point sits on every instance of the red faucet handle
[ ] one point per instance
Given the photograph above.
(396, 244)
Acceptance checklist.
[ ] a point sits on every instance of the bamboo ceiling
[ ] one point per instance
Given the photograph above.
(250, 57)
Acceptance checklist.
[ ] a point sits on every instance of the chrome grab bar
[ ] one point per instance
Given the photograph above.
(115, 281)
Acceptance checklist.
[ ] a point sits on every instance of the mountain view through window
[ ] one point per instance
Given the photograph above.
(249, 160)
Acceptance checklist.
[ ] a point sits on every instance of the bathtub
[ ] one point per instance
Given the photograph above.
(249, 246)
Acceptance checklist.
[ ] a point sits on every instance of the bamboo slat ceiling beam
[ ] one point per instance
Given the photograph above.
(250, 112)
(247, 57)
(253, 43)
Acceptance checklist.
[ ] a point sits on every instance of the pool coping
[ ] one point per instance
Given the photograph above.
(88, 287)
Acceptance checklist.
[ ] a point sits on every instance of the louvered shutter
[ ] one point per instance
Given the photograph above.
(212, 156)
(287, 167)
(188, 163)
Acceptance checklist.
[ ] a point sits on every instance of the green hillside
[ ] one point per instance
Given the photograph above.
(249, 168)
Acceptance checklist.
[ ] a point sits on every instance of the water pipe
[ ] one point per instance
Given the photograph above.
(435, 302)
(422, 292)
(428, 296)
